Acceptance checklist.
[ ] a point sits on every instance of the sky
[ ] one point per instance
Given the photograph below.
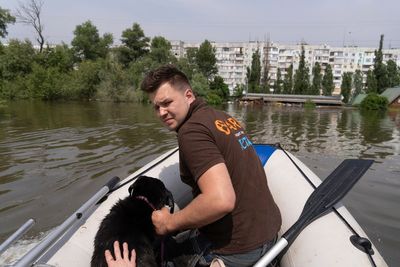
(332, 22)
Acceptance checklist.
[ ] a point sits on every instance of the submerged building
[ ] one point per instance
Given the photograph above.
(233, 58)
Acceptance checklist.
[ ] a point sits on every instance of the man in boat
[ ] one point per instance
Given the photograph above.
(232, 207)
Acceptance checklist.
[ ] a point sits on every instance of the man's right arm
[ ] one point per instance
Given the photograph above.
(217, 198)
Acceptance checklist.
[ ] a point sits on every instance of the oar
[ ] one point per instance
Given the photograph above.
(320, 202)
(16, 235)
(36, 252)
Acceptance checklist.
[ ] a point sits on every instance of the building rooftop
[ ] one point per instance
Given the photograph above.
(392, 93)
(358, 99)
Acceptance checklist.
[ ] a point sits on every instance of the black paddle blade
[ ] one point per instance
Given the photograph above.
(328, 193)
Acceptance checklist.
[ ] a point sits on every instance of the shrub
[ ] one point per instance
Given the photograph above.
(374, 102)
(213, 99)
(309, 104)
(45, 83)
(86, 78)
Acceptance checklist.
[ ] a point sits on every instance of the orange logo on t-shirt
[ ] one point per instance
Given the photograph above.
(228, 125)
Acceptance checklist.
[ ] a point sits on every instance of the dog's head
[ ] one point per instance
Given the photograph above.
(153, 190)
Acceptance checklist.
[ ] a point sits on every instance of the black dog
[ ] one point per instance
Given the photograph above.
(129, 221)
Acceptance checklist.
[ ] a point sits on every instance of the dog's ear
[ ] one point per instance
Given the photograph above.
(134, 185)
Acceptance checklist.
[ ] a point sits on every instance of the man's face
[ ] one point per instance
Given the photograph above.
(171, 105)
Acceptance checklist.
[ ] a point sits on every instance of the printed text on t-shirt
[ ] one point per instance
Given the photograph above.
(230, 125)
(227, 125)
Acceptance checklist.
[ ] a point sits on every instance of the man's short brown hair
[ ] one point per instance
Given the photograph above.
(164, 74)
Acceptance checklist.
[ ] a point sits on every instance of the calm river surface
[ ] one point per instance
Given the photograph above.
(54, 156)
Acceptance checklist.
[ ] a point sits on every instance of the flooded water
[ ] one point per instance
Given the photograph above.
(54, 156)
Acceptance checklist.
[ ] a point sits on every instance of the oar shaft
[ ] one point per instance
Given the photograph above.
(33, 254)
(272, 253)
(16, 235)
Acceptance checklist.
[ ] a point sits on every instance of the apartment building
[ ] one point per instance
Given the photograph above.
(233, 58)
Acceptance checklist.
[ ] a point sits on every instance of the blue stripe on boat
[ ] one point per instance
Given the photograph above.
(264, 152)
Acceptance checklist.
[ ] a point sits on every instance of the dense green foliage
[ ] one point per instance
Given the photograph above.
(254, 73)
(327, 81)
(134, 45)
(87, 43)
(91, 70)
(278, 83)
(346, 86)
(393, 73)
(374, 102)
(206, 60)
(316, 80)
(357, 83)
(5, 18)
(301, 77)
(371, 84)
(288, 81)
(380, 70)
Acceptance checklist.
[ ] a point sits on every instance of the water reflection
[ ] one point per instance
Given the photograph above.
(322, 138)
(346, 132)
(54, 156)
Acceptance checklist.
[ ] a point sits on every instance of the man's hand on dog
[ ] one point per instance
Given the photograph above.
(160, 220)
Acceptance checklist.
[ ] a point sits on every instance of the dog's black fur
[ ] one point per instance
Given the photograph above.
(129, 221)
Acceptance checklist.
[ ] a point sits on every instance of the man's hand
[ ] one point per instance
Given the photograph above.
(160, 219)
(120, 261)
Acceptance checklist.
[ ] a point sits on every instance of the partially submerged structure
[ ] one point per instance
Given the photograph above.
(392, 94)
(294, 99)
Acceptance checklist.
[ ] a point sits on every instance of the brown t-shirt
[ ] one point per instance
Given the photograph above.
(208, 137)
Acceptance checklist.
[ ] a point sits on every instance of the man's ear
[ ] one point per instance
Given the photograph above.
(189, 94)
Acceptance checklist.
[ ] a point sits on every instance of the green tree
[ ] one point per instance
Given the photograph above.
(327, 81)
(59, 57)
(5, 18)
(254, 73)
(238, 91)
(187, 64)
(278, 83)
(301, 77)
(317, 80)
(288, 81)
(45, 83)
(191, 55)
(206, 60)
(357, 83)
(87, 43)
(160, 50)
(183, 64)
(346, 86)
(371, 84)
(137, 69)
(380, 70)
(219, 87)
(135, 44)
(86, 79)
(115, 83)
(200, 85)
(393, 73)
(265, 79)
(17, 59)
